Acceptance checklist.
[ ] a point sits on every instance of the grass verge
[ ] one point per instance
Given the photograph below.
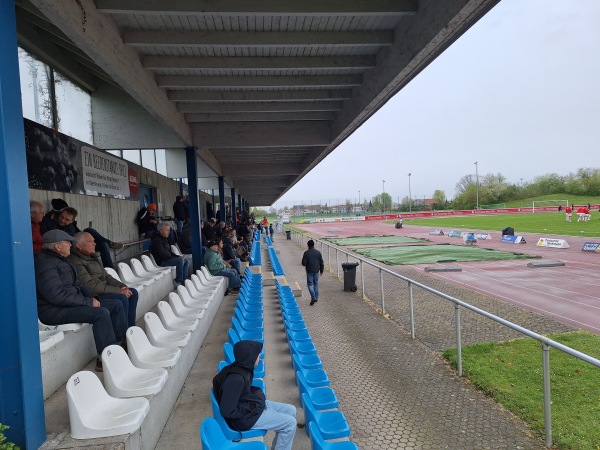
(511, 373)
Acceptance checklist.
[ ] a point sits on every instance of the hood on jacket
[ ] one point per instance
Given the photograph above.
(246, 352)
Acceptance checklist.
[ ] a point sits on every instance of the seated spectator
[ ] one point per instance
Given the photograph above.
(92, 275)
(245, 407)
(220, 229)
(185, 239)
(61, 298)
(65, 221)
(208, 230)
(216, 266)
(161, 251)
(228, 253)
(36, 211)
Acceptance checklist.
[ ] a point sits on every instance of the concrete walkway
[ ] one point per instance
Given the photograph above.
(396, 392)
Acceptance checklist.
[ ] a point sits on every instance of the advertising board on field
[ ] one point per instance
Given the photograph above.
(553, 243)
(593, 247)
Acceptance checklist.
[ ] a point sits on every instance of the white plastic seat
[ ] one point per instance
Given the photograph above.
(122, 379)
(188, 300)
(159, 336)
(145, 355)
(209, 276)
(113, 273)
(204, 295)
(49, 338)
(215, 281)
(175, 249)
(93, 413)
(75, 327)
(203, 287)
(183, 311)
(128, 277)
(151, 267)
(172, 322)
(139, 271)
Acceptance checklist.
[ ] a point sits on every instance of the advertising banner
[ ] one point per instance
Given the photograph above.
(591, 247)
(512, 239)
(104, 173)
(554, 243)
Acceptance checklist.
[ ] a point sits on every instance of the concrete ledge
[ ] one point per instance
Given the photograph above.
(161, 405)
(296, 289)
(443, 269)
(282, 280)
(268, 281)
(534, 264)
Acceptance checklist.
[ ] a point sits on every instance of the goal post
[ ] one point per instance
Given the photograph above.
(544, 203)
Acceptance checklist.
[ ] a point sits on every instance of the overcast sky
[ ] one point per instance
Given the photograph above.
(519, 93)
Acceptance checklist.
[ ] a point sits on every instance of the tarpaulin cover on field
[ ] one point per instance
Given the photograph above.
(374, 240)
(427, 254)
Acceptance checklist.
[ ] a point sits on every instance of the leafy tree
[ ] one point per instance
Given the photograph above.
(439, 199)
(381, 200)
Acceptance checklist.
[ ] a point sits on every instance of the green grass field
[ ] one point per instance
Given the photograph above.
(511, 373)
(546, 223)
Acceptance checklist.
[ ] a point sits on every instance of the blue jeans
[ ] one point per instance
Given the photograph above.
(129, 304)
(312, 280)
(236, 264)
(232, 276)
(181, 267)
(102, 246)
(179, 226)
(280, 418)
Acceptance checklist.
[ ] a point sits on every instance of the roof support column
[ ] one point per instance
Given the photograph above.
(221, 199)
(192, 175)
(21, 395)
(233, 215)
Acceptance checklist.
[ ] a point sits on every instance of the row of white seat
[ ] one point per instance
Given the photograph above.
(120, 406)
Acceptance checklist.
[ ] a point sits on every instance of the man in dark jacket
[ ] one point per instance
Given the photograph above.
(161, 251)
(92, 275)
(61, 298)
(312, 260)
(244, 406)
(179, 213)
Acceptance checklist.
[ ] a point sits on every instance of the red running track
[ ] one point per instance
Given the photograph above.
(569, 294)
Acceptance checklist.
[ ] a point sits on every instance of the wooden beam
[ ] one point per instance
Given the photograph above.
(254, 81)
(261, 7)
(259, 62)
(258, 107)
(259, 96)
(277, 39)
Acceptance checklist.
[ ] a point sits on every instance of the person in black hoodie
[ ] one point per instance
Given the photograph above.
(244, 406)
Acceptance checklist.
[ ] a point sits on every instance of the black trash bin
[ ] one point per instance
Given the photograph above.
(349, 276)
(288, 235)
(508, 231)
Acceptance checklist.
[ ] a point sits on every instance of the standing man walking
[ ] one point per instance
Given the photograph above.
(312, 260)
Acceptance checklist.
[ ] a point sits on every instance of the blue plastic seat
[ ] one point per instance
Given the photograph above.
(313, 377)
(308, 361)
(296, 326)
(246, 322)
(251, 335)
(212, 438)
(331, 424)
(321, 397)
(302, 347)
(246, 325)
(298, 336)
(229, 433)
(249, 313)
(318, 443)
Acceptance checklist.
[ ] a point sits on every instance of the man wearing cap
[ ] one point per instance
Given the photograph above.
(61, 298)
(216, 266)
(146, 220)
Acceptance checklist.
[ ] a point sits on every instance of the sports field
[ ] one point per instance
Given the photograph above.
(546, 223)
(374, 240)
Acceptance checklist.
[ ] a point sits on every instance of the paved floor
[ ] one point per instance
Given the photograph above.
(396, 392)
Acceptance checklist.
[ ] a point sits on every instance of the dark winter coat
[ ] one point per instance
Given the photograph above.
(313, 261)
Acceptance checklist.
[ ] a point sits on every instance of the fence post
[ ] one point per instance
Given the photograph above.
(382, 295)
(329, 256)
(547, 399)
(337, 263)
(362, 279)
(458, 339)
(412, 311)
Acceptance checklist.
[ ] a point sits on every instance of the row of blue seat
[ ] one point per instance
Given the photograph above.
(247, 323)
(318, 400)
(255, 257)
(275, 264)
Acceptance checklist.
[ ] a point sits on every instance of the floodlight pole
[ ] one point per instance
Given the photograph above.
(409, 195)
(476, 186)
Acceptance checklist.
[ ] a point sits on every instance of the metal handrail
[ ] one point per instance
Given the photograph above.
(546, 342)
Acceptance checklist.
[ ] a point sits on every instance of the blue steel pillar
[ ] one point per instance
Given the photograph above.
(221, 199)
(192, 175)
(233, 218)
(21, 393)
(239, 202)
